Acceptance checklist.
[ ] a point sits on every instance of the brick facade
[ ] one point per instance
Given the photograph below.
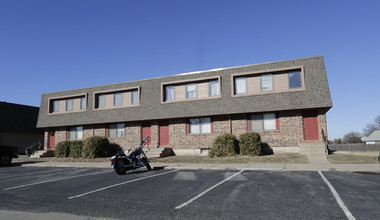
(290, 133)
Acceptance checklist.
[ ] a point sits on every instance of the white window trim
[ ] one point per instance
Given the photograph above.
(198, 126)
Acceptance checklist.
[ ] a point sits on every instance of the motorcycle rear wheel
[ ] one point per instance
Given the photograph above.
(146, 164)
(119, 167)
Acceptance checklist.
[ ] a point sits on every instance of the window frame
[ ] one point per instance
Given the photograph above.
(276, 122)
(69, 103)
(112, 93)
(299, 72)
(210, 84)
(210, 129)
(117, 99)
(262, 77)
(193, 86)
(274, 72)
(83, 103)
(135, 100)
(76, 130)
(236, 85)
(63, 104)
(117, 127)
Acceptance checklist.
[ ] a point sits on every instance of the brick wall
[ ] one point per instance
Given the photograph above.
(290, 133)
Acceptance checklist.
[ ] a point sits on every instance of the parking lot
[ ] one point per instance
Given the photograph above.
(191, 194)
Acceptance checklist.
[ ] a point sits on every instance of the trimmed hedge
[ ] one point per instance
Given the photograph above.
(250, 144)
(96, 147)
(62, 149)
(224, 145)
(76, 149)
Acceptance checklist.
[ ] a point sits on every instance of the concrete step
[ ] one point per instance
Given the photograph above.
(159, 152)
(42, 153)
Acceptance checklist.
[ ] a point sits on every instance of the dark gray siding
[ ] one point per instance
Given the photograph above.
(317, 95)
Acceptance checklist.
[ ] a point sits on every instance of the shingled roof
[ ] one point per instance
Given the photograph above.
(316, 95)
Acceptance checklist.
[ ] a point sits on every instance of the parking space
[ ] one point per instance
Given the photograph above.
(190, 194)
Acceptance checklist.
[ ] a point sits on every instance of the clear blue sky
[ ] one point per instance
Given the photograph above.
(48, 46)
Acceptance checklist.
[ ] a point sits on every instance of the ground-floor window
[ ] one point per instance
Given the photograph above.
(263, 122)
(200, 125)
(116, 130)
(75, 133)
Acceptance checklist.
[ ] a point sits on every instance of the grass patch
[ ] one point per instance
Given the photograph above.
(353, 159)
(275, 158)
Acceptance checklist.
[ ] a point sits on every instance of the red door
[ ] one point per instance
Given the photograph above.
(310, 125)
(146, 131)
(164, 132)
(52, 139)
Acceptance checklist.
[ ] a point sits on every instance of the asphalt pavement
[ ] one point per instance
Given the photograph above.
(166, 193)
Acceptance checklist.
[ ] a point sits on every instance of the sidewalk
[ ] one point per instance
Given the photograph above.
(311, 166)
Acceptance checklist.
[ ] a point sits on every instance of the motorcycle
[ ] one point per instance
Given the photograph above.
(135, 158)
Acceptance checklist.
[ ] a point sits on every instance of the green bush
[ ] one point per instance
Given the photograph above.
(224, 145)
(250, 144)
(76, 149)
(96, 147)
(62, 149)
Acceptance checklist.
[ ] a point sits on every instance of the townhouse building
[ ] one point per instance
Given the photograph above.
(284, 101)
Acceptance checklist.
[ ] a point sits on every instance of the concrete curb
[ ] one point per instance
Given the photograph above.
(314, 166)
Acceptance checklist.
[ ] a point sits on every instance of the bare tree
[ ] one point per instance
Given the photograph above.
(352, 137)
(377, 122)
(369, 129)
(372, 127)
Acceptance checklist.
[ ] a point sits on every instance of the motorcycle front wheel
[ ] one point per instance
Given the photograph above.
(146, 164)
(119, 167)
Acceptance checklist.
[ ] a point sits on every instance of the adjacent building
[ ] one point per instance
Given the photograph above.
(285, 102)
(18, 126)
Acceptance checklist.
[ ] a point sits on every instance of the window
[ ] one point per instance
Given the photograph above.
(83, 103)
(116, 130)
(101, 101)
(117, 99)
(240, 85)
(266, 82)
(200, 125)
(55, 106)
(135, 97)
(169, 93)
(76, 133)
(295, 79)
(263, 122)
(214, 87)
(191, 90)
(69, 104)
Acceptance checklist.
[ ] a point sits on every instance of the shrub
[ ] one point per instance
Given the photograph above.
(224, 145)
(96, 147)
(76, 149)
(115, 148)
(250, 144)
(62, 149)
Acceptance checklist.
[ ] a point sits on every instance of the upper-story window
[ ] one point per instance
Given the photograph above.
(120, 98)
(191, 90)
(135, 96)
(83, 103)
(266, 82)
(117, 101)
(55, 106)
(67, 104)
(295, 79)
(214, 87)
(169, 93)
(101, 103)
(240, 85)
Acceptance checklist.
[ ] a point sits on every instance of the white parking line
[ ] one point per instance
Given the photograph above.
(54, 180)
(28, 174)
(207, 190)
(119, 184)
(337, 197)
